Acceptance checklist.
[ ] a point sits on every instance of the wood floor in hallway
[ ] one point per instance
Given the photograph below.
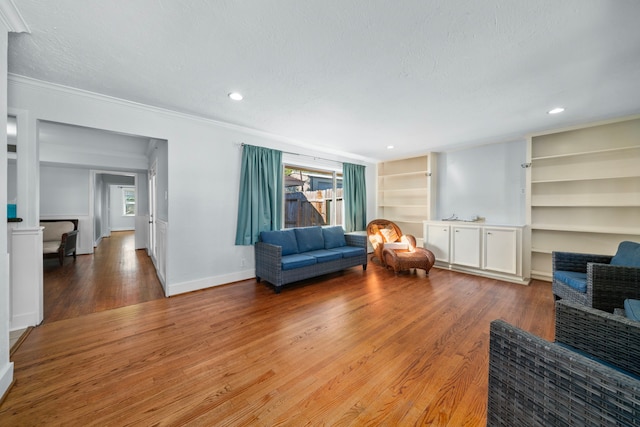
(116, 275)
(347, 349)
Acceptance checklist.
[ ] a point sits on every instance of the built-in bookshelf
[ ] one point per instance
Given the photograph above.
(405, 192)
(584, 191)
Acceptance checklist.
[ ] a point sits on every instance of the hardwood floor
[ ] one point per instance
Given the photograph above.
(116, 275)
(351, 348)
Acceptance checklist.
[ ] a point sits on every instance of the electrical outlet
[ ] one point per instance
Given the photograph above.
(243, 262)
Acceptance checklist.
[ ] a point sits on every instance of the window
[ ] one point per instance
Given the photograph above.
(312, 197)
(128, 201)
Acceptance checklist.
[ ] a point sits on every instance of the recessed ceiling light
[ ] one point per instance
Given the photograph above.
(390, 147)
(236, 96)
(556, 110)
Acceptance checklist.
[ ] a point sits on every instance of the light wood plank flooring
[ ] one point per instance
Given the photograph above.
(352, 348)
(115, 275)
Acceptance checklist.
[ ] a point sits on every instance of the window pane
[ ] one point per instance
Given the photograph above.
(309, 197)
(129, 201)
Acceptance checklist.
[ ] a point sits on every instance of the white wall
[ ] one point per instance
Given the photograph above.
(203, 175)
(487, 181)
(64, 191)
(6, 367)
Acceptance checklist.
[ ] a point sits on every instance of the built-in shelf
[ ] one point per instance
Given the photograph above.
(405, 192)
(584, 190)
(586, 153)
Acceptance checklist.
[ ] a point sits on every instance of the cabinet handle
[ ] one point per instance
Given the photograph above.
(457, 231)
(488, 233)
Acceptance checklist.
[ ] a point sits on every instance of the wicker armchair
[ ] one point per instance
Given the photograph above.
(535, 382)
(607, 286)
(383, 232)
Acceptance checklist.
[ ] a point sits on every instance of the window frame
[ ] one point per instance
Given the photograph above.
(125, 190)
(336, 175)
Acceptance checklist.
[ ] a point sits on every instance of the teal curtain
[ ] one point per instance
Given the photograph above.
(354, 196)
(261, 193)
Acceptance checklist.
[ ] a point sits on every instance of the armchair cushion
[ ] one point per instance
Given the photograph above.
(286, 239)
(632, 309)
(628, 255)
(577, 281)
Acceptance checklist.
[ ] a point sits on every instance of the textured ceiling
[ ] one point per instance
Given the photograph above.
(349, 76)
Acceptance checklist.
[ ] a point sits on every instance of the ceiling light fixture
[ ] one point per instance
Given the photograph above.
(556, 110)
(235, 96)
(390, 147)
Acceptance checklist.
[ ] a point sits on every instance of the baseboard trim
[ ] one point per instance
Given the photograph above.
(6, 381)
(209, 282)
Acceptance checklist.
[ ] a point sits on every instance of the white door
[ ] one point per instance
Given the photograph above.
(152, 213)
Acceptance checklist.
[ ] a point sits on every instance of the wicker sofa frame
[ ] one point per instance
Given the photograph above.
(535, 382)
(269, 263)
(607, 285)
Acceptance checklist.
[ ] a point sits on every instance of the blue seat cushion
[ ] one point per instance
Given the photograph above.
(309, 238)
(323, 255)
(283, 238)
(292, 261)
(632, 309)
(628, 255)
(349, 251)
(575, 280)
(333, 237)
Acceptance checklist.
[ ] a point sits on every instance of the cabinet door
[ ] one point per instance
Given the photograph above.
(501, 250)
(466, 246)
(438, 241)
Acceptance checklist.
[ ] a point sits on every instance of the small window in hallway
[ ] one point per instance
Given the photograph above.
(128, 201)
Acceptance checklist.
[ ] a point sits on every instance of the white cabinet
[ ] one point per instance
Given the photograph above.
(465, 246)
(437, 240)
(501, 249)
(478, 248)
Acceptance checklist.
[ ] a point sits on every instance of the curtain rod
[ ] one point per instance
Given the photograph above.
(242, 144)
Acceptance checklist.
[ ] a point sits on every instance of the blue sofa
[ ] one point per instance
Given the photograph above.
(293, 254)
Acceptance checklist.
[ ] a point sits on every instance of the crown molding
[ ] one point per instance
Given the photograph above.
(54, 87)
(12, 18)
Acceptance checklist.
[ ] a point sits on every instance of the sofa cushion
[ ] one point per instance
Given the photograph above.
(51, 247)
(323, 255)
(632, 309)
(349, 251)
(333, 237)
(309, 239)
(283, 238)
(53, 231)
(577, 281)
(292, 261)
(628, 255)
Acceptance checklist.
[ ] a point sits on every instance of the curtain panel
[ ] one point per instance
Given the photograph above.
(261, 193)
(355, 197)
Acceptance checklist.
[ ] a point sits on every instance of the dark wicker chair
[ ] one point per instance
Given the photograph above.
(534, 382)
(607, 285)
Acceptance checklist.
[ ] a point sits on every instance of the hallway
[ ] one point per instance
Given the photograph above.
(116, 275)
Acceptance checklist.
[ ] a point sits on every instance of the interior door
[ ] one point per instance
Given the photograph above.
(152, 213)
